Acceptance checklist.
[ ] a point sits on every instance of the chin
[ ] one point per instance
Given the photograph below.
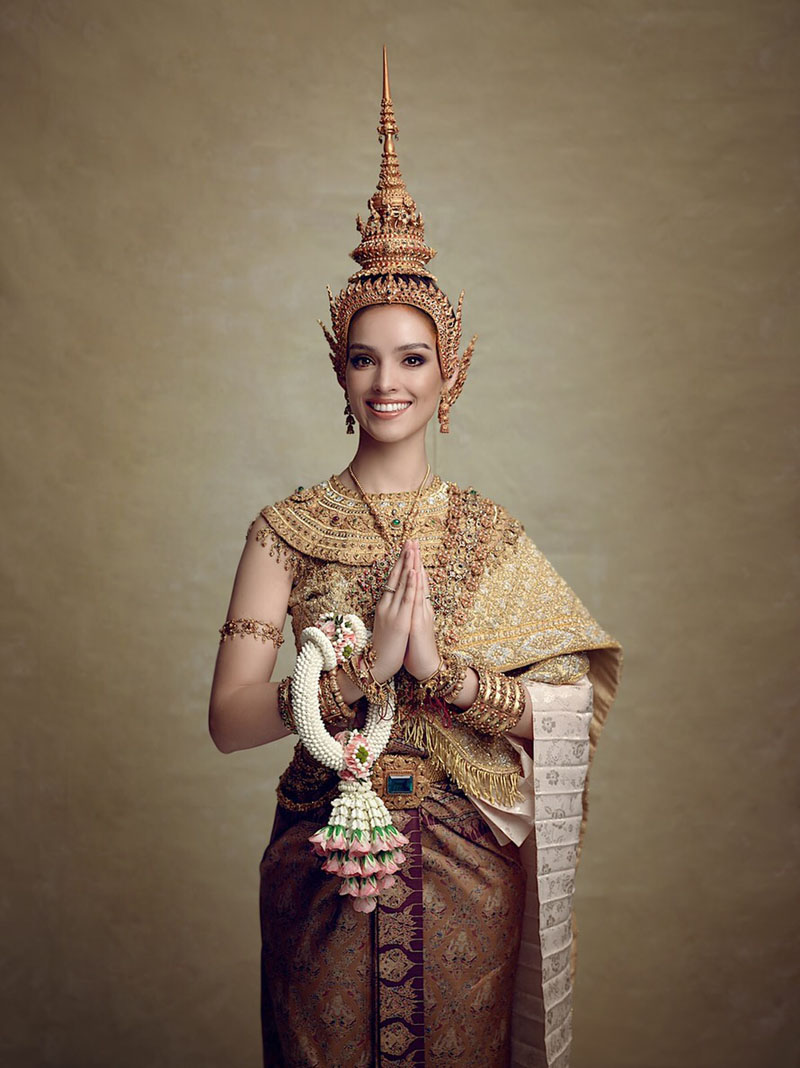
(394, 432)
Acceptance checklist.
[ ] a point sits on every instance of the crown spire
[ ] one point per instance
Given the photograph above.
(387, 129)
(393, 237)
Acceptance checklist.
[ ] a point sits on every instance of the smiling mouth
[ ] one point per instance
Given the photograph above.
(395, 406)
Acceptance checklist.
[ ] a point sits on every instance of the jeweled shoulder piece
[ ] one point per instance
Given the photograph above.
(393, 258)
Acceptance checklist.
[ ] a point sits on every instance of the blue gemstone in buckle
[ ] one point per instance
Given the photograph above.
(399, 784)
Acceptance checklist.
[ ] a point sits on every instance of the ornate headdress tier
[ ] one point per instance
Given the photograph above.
(393, 237)
(393, 259)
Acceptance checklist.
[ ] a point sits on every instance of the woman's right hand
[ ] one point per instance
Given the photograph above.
(393, 612)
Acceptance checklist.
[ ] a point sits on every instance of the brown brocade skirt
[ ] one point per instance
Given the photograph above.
(426, 979)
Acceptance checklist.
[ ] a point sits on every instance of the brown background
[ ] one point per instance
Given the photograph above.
(616, 186)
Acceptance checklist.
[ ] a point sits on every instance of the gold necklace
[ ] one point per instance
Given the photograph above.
(396, 530)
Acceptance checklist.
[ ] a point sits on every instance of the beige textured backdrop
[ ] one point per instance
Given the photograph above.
(616, 186)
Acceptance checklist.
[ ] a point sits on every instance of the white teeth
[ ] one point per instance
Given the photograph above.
(390, 407)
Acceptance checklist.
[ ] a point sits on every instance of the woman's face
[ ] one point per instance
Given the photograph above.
(393, 377)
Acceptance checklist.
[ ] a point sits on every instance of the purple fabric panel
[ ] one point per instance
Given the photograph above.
(400, 976)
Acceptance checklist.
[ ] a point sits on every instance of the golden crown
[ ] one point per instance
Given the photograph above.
(393, 258)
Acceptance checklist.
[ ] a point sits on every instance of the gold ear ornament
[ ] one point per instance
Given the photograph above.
(349, 418)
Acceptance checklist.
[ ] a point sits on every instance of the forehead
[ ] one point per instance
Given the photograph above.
(391, 323)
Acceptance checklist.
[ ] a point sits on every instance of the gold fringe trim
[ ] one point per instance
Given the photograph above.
(497, 785)
(271, 540)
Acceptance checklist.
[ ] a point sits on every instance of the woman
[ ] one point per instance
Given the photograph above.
(482, 647)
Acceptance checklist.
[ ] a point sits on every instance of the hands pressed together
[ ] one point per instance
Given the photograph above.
(402, 630)
(403, 634)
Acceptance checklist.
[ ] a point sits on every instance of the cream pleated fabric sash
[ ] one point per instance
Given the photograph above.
(551, 806)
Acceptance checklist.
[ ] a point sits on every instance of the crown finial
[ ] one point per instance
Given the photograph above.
(387, 128)
(393, 237)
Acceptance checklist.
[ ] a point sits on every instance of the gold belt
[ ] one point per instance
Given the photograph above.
(403, 781)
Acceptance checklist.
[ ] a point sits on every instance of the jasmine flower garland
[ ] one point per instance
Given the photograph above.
(360, 843)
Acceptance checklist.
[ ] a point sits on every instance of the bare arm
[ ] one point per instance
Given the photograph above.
(243, 709)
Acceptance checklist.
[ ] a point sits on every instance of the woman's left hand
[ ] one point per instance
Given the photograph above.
(422, 656)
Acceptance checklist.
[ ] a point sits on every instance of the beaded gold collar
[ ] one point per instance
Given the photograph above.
(331, 522)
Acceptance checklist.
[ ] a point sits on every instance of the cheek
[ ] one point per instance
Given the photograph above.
(433, 384)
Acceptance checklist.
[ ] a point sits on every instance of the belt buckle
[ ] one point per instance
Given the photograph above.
(401, 781)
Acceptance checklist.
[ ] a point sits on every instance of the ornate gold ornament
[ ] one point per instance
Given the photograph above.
(393, 258)
(256, 628)
(404, 780)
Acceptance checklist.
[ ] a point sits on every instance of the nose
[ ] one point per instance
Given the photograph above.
(384, 377)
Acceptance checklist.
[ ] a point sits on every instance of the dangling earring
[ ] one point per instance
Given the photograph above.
(349, 418)
(444, 413)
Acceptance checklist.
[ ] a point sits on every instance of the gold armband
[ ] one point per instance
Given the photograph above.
(254, 627)
(498, 705)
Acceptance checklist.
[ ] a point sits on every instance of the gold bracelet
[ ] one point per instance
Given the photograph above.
(255, 627)
(285, 704)
(333, 682)
(459, 674)
(359, 670)
(498, 705)
(447, 679)
(332, 705)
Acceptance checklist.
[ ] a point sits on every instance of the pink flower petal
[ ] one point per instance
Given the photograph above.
(359, 848)
(364, 904)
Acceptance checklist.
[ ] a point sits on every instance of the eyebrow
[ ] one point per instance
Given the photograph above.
(400, 348)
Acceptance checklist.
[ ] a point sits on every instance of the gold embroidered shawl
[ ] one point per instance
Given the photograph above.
(496, 598)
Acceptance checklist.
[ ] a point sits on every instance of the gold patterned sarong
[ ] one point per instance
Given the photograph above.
(426, 979)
